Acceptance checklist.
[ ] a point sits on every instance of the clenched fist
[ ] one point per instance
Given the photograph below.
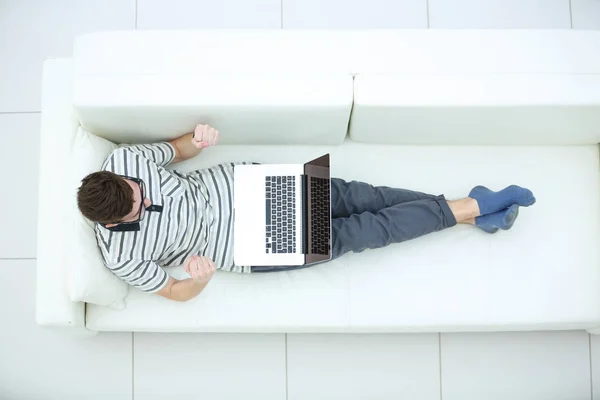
(205, 136)
(200, 268)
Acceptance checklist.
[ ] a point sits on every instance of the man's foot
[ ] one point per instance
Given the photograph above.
(490, 202)
(499, 220)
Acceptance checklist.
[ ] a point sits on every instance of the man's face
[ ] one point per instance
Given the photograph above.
(137, 210)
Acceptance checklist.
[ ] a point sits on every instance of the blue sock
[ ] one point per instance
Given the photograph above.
(505, 219)
(490, 201)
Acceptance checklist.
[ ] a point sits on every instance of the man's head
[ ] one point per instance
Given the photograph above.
(111, 199)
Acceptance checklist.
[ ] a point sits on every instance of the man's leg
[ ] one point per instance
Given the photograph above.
(399, 223)
(354, 197)
(394, 224)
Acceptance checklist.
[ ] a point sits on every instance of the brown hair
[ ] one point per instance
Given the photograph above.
(104, 197)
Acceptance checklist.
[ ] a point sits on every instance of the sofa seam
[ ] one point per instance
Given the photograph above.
(440, 361)
(347, 136)
(570, 12)
(591, 366)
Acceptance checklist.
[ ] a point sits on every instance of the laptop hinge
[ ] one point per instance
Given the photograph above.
(304, 219)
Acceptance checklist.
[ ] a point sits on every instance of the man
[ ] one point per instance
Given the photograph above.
(148, 217)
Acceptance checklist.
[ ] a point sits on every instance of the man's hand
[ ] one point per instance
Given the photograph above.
(188, 146)
(205, 136)
(200, 268)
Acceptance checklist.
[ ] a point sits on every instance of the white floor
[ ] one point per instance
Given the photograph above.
(41, 364)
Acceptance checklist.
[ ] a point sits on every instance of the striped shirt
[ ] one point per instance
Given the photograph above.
(191, 214)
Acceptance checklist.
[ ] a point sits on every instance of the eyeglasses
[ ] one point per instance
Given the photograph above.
(142, 211)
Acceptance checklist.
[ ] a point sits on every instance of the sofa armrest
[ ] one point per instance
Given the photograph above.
(58, 128)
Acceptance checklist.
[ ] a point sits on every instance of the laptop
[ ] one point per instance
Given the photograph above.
(282, 213)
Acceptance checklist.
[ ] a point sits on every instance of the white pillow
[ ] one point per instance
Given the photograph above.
(89, 280)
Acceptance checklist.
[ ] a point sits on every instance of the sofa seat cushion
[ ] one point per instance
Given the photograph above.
(543, 274)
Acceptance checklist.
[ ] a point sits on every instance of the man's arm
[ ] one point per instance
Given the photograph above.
(183, 290)
(190, 145)
(201, 270)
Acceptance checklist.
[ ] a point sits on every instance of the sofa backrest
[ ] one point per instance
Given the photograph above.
(405, 87)
(353, 52)
(478, 109)
(123, 96)
(248, 109)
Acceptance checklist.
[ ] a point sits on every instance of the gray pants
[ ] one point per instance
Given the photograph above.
(368, 217)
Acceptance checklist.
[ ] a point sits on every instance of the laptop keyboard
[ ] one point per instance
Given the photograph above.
(320, 215)
(281, 214)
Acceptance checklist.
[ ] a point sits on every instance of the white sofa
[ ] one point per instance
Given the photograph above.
(435, 111)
